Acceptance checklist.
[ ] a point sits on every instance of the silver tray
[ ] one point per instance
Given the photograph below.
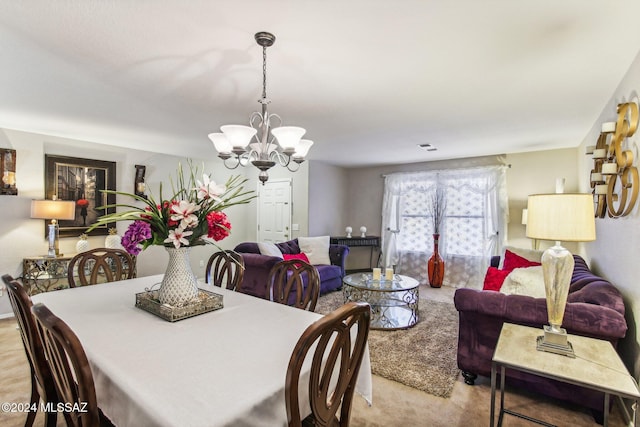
(206, 302)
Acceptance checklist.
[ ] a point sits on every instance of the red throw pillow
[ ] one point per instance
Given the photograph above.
(494, 278)
(512, 261)
(301, 256)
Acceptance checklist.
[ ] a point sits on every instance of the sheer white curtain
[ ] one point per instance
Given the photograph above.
(474, 227)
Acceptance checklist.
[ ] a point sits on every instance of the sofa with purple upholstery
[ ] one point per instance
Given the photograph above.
(595, 308)
(257, 266)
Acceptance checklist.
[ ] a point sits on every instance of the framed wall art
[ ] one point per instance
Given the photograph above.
(80, 180)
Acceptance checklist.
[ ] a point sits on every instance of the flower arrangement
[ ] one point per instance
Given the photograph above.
(191, 216)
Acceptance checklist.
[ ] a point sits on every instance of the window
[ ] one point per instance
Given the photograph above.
(472, 229)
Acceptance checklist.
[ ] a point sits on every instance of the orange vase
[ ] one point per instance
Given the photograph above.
(435, 265)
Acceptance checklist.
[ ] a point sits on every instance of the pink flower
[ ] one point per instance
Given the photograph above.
(219, 225)
(178, 237)
(209, 189)
(184, 212)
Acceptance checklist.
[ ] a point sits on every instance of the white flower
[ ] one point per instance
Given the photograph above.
(184, 212)
(209, 189)
(178, 237)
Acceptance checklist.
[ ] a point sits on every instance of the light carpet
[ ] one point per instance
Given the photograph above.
(422, 357)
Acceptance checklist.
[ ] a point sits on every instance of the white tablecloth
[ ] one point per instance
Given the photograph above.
(224, 368)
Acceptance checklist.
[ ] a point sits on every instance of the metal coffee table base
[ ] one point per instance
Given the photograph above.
(390, 308)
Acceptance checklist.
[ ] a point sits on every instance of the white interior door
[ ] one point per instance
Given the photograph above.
(274, 211)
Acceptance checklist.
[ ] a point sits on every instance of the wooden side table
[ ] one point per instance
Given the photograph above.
(596, 366)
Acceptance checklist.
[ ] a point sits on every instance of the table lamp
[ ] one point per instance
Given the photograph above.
(560, 217)
(54, 210)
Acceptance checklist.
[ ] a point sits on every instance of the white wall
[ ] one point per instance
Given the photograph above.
(532, 173)
(21, 236)
(329, 204)
(614, 254)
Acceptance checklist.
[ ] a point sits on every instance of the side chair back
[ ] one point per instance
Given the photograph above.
(42, 385)
(225, 269)
(295, 283)
(69, 366)
(339, 341)
(100, 265)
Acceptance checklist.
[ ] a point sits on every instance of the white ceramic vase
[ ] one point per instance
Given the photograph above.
(179, 285)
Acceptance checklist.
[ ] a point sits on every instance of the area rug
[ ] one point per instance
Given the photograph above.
(422, 357)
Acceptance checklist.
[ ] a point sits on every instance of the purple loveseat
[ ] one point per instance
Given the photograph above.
(595, 308)
(257, 267)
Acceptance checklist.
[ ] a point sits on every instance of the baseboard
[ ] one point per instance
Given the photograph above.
(6, 315)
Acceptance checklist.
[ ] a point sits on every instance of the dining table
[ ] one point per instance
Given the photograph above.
(222, 368)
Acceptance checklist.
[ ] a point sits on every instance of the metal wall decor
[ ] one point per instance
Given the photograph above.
(614, 178)
(8, 172)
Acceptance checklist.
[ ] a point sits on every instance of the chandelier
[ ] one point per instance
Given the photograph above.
(272, 142)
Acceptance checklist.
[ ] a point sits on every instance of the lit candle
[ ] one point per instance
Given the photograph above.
(596, 177)
(608, 127)
(376, 274)
(601, 188)
(599, 153)
(609, 168)
(388, 273)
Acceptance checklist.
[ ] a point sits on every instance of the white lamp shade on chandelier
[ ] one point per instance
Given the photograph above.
(274, 143)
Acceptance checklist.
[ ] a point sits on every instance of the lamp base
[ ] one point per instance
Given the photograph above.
(555, 342)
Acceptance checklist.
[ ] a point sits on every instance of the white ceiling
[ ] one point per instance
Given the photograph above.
(368, 79)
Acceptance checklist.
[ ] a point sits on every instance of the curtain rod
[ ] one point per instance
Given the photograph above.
(507, 165)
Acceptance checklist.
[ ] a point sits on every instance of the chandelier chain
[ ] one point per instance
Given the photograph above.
(264, 72)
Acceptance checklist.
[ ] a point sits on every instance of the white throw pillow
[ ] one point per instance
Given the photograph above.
(316, 249)
(525, 281)
(270, 249)
(529, 254)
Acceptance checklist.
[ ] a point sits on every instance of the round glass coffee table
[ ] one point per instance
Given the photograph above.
(394, 303)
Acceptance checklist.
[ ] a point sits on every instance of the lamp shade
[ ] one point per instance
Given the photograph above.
(564, 217)
(238, 135)
(525, 212)
(302, 149)
(53, 209)
(220, 142)
(288, 136)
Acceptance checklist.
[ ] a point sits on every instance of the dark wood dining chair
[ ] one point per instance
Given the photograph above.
(70, 368)
(295, 283)
(225, 269)
(42, 385)
(335, 364)
(100, 265)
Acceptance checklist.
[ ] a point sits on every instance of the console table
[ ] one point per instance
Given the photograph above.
(596, 366)
(44, 274)
(371, 242)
